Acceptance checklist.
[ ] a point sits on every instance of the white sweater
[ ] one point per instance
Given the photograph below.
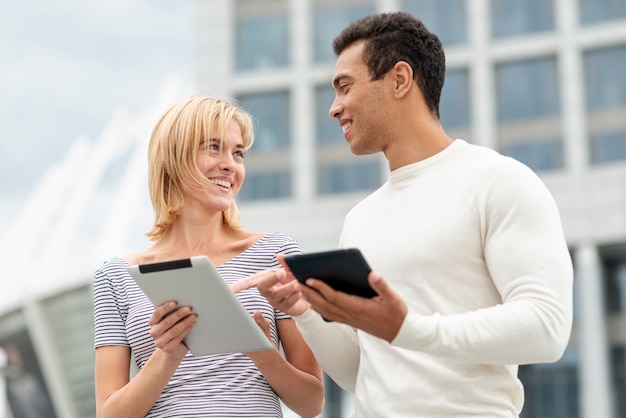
(473, 242)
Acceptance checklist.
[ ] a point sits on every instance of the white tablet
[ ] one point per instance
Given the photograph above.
(224, 325)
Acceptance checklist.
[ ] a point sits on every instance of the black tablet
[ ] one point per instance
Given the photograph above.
(224, 325)
(345, 270)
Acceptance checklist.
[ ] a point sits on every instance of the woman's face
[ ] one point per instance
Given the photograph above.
(220, 160)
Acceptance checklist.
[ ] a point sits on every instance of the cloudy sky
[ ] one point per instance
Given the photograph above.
(66, 65)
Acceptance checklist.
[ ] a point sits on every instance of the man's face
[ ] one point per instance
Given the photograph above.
(359, 104)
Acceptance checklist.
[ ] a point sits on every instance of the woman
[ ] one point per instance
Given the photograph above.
(196, 167)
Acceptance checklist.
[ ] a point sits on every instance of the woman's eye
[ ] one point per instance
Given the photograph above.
(240, 154)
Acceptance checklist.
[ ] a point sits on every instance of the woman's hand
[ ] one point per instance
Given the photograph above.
(169, 325)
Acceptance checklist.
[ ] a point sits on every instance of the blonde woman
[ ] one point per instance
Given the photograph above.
(196, 168)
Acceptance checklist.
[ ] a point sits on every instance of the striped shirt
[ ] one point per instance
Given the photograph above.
(224, 385)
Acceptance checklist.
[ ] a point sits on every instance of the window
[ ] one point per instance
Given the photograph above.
(527, 89)
(328, 130)
(514, 17)
(592, 11)
(261, 35)
(605, 78)
(361, 173)
(330, 18)
(528, 112)
(266, 185)
(541, 154)
(605, 90)
(614, 272)
(338, 171)
(268, 162)
(271, 112)
(454, 107)
(446, 18)
(551, 390)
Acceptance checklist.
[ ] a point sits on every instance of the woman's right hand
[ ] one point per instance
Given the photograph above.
(169, 325)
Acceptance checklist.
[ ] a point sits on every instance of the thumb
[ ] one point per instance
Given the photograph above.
(379, 284)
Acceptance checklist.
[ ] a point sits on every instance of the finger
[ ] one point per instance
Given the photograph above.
(175, 335)
(251, 281)
(243, 284)
(261, 321)
(288, 275)
(169, 321)
(267, 284)
(278, 291)
(281, 259)
(320, 287)
(161, 312)
(380, 285)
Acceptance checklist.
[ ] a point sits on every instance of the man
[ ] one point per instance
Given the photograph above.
(477, 274)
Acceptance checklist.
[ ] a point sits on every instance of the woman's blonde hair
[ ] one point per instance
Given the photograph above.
(172, 152)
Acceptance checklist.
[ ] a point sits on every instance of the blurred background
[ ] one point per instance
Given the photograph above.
(83, 83)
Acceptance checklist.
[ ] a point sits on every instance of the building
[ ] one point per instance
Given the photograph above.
(542, 81)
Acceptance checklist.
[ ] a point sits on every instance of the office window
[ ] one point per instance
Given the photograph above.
(259, 185)
(606, 147)
(605, 90)
(528, 112)
(614, 270)
(271, 111)
(514, 17)
(328, 130)
(552, 390)
(592, 11)
(446, 18)
(330, 18)
(605, 78)
(527, 89)
(541, 154)
(338, 171)
(614, 275)
(454, 107)
(360, 173)
(268, 162)
(261, 35)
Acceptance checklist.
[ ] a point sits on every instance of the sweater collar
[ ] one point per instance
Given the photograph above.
(408, 171)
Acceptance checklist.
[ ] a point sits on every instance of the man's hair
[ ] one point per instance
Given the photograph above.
(393, 37)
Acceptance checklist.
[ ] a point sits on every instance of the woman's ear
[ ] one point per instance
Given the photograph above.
(403, 78)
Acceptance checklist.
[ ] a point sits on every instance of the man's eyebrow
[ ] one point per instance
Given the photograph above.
(338, 80)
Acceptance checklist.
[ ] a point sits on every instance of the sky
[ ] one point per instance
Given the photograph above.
(67, 65)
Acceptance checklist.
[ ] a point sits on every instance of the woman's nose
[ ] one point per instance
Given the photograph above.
(226, 162)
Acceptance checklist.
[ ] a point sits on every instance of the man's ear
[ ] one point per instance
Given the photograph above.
(402, 77)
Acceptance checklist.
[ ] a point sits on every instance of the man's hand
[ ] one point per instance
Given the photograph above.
(381, 316)
(278, 286)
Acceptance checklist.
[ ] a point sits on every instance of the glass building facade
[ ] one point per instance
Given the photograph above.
(521, 78)
(543, 81)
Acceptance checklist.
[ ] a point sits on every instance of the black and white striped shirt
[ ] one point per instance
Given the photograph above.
(225, 385)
